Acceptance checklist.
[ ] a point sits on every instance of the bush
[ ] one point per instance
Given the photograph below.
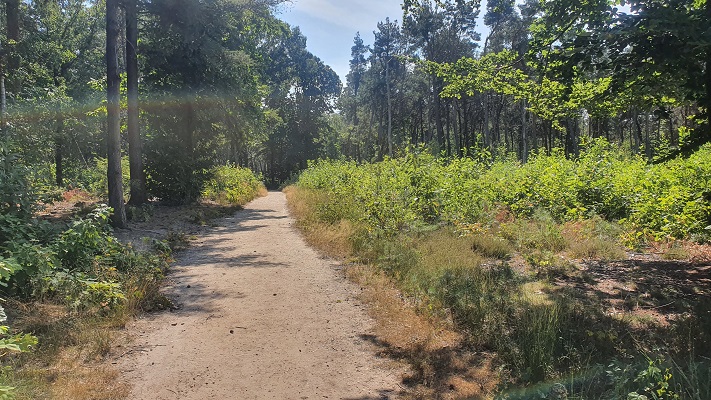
(94, 180)
(16, 194)
(232, 185)
(406, 209)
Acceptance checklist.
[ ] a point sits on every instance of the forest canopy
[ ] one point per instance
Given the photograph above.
(226, 81)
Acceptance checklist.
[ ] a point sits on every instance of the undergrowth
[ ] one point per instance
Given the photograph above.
(497, 247)
(70, 288)
(232, 185)
(67, 283)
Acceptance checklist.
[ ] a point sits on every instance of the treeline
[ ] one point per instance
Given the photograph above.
(215, 82)
(546, 75)
(199, 84)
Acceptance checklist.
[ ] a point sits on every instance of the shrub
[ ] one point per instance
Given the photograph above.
(94, 180)
(12, 343)
(17, 196)
(232, 185)
(405, 209)
(489, 245)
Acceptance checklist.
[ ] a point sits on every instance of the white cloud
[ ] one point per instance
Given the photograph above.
(357, 15)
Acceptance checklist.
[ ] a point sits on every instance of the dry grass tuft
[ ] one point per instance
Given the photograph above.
(679, 250)
(593, 239)
(444, 249)
(76, 379)
(69, 360)
(492, 246)
(441, 364)
(332, 239)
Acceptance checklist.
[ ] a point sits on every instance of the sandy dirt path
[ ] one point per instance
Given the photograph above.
(261, 316)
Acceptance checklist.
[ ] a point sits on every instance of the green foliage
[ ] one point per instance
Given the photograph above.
(83, 267)
(86, 240)
(12, 343)
(93, 179)
(550, 205)
(16, 194)
(663, 200)
(232, 185)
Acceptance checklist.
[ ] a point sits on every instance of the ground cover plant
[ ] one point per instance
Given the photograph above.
(549, 264)
(68, 283)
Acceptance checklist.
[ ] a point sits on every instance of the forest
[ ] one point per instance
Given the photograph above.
(568, 143)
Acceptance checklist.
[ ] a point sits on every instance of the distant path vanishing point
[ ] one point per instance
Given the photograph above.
(261, 316)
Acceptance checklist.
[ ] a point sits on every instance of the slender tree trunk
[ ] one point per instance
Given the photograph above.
(647, 139)
(635, 132)
(135, 147)
(390, 110)
(58, 155)
(3, 103)
(449, 130)
(189, 145)
(113, 121)
(487, 132)
(524, 139)
(438, 113)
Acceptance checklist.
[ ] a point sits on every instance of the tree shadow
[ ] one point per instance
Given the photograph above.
(433, 370)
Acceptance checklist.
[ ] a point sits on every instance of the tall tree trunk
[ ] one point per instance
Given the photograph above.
(189, 145)
(9, 60)
(3, 102)
(12, 13)
(135, 147)
(58, 153)
(113, 121)
(436, 89)
(390, 110)
(524, 139)
(458, 129)
(12, 61)
(707, 82)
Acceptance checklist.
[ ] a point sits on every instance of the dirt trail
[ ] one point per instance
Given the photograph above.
(261, 316)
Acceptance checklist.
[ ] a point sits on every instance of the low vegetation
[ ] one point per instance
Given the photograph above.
(232, 185)
(539, 263)
(67, 283)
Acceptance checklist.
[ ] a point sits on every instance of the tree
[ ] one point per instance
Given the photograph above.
(113, 119)
(386, 49)
(8, 58)
(135, 147)
(663, 46)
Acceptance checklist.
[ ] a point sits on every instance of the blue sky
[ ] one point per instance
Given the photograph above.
(331, 25)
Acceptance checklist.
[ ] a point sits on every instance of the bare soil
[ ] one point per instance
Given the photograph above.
(259, 315)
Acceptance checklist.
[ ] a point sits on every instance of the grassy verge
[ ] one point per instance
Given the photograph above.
(438, 357)
(76, 319)
(547, 296)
